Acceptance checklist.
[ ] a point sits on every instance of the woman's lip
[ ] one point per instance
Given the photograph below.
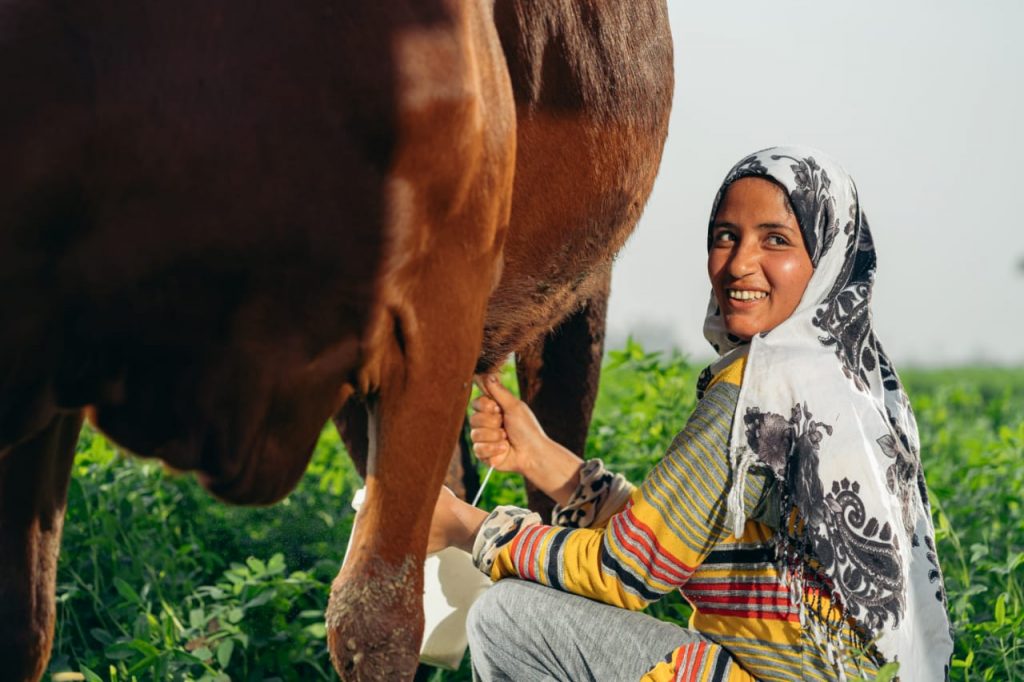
(744, 304)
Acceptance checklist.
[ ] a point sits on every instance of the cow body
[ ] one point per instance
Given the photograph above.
(222, 222)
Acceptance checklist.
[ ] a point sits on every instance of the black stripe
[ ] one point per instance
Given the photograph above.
(722, 662)
(556, 546)
(626, 577)
(756, 555)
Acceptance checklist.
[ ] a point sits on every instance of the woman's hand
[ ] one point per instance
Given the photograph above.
(507, 436)
(505, 433)
(455, 523)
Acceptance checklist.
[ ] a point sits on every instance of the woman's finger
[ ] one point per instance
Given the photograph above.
(485, 451)
(485, 405)
(492, 386)
(485, 435)
(485, 420)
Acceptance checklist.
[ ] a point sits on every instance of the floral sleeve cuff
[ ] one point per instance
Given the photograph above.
(498, 530)
(599, 495)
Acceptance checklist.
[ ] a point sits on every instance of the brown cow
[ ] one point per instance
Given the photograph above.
(219, 221)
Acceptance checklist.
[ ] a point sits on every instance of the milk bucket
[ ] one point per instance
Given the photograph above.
(451, 583)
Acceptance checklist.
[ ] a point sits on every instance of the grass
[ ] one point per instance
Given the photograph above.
(159, 582)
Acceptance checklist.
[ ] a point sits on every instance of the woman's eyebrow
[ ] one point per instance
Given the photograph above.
(761, 226)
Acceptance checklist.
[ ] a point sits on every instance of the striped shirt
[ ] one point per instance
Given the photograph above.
(671, 534)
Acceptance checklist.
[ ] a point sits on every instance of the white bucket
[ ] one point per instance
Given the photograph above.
(451, 583)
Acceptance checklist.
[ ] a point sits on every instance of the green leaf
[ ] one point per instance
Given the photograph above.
(318, 630)
(261, 599)
(256, 566)
(1000, 612)
(102, 636)
(90, 676)
(144, 648)
(887, 672)
(196, 618)
(120, 651)
(276, 564)
(224, 652)
(126, 591)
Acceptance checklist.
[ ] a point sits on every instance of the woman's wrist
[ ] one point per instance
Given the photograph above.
(465, 524)
(554, 470)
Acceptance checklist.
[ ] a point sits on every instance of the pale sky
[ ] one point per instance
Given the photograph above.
(920, 101)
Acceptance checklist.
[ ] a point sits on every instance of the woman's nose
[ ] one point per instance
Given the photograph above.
(744, 259)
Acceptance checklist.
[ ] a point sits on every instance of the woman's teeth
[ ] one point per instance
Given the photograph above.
(746, 295)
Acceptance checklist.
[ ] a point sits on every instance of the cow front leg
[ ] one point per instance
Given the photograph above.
(34, 479)
(374, 618)
(559, 375)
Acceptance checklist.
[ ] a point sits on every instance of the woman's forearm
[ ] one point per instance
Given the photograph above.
(555, 471)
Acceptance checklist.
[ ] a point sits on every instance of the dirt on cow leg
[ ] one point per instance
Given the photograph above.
(373, 614)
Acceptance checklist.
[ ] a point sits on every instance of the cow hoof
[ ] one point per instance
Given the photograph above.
(375, 621)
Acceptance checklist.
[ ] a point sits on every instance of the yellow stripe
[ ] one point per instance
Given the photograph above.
(754, 629)
(542, 555)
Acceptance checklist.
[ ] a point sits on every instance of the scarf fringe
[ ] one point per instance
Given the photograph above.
(825, 629)
(736, 516)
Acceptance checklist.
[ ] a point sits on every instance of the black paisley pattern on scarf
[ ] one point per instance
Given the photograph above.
(790, 449)
(814, 205)
(859, 553)
(846, 317)
(863, 558)
(703, 380)
(901, 477)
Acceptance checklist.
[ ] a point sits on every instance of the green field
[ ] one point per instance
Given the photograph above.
(159, 582)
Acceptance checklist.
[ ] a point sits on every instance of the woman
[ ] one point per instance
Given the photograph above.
(791, 511)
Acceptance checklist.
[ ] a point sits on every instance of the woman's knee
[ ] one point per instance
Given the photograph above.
(494, 611)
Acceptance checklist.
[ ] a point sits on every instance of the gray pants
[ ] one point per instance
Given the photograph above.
(524, 632)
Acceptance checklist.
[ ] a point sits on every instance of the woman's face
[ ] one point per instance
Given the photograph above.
(758, 263)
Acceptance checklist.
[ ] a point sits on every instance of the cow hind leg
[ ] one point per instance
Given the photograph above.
(34, 479)
(559, 375)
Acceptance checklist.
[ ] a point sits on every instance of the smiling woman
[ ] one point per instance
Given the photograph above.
(758, 263)
(789, 511)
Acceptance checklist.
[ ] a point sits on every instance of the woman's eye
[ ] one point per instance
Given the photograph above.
(725, 236)
(777, 240)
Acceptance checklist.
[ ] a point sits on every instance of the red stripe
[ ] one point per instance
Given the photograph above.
(740, 599)
(679, 664)
(653, 538)
(676, 573)
(747, 613)
(750, 587)
(697, 660)
(522, 542)
(533, 552)
(649, 561)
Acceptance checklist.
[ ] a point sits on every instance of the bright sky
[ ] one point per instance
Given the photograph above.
(920, 101)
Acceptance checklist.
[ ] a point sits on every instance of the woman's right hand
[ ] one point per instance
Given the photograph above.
(504, 430)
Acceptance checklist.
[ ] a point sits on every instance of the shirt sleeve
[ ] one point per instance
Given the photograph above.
(599, 495)
(654, 543)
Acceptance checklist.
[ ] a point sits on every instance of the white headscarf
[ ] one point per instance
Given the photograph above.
(822, 407)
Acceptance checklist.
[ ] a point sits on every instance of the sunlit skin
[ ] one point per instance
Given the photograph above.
(757, 251)
(756, 247)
